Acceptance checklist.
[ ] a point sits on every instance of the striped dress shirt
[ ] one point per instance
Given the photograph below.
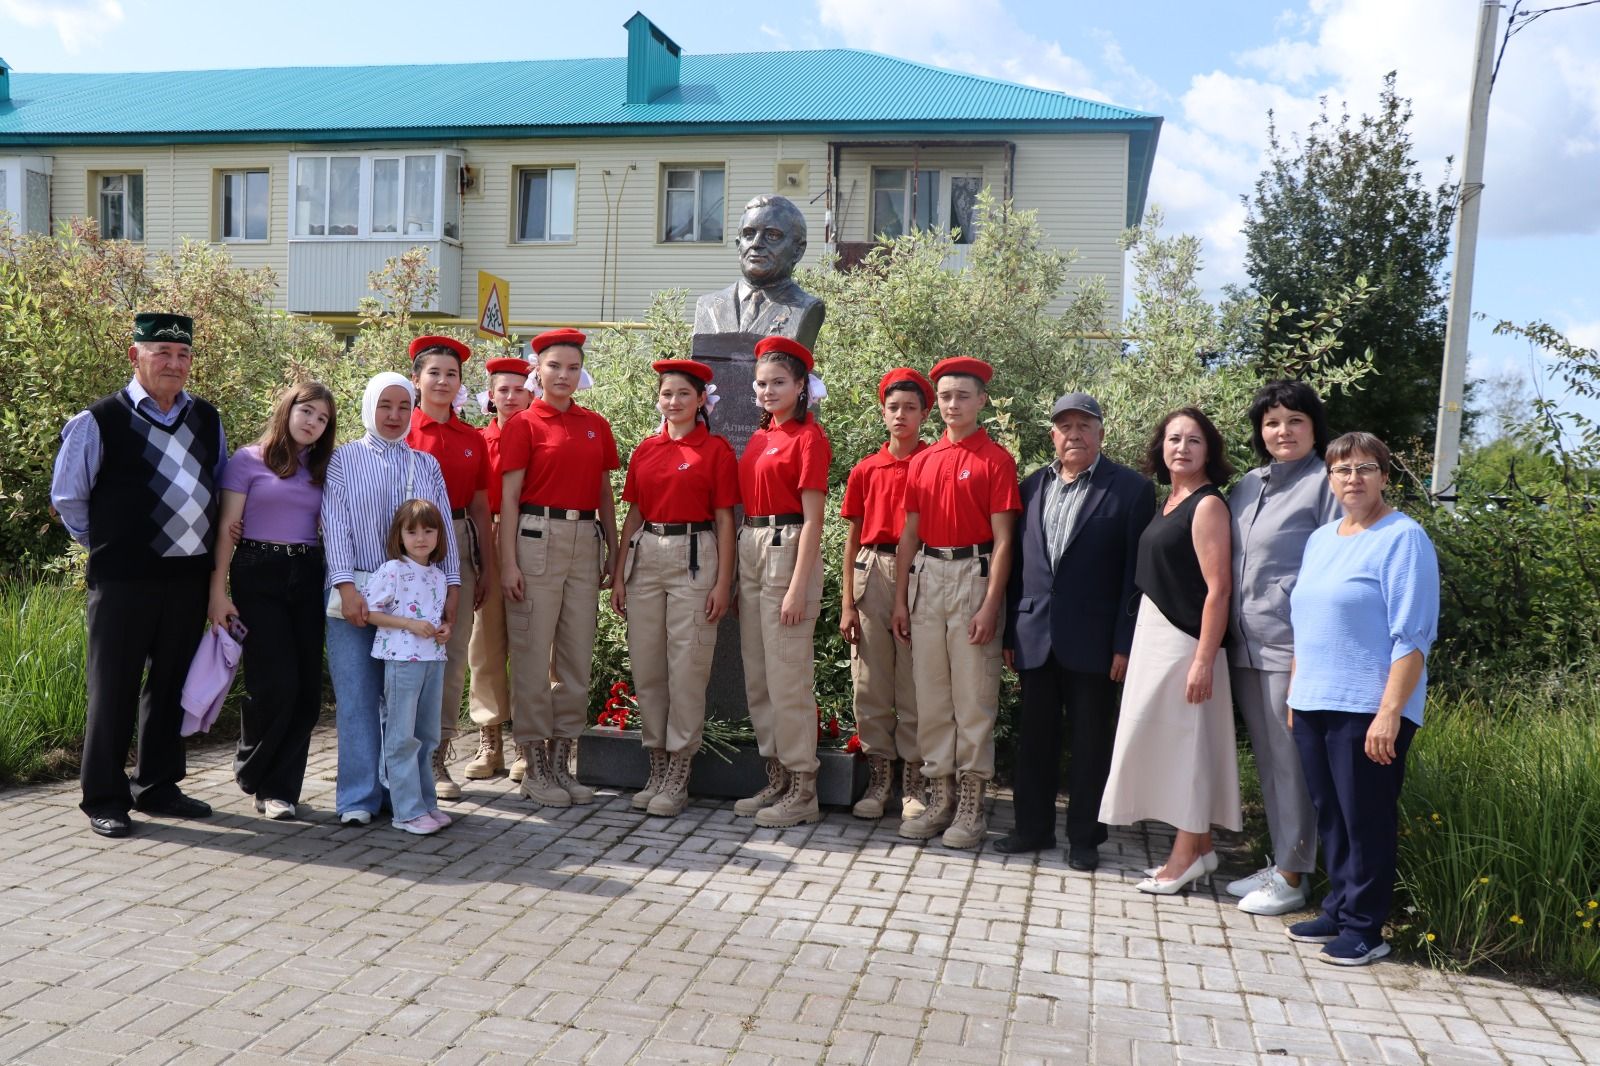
(365, 486)
(1062, 502)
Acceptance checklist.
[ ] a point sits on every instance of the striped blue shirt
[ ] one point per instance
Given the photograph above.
(366, 485)
(78, 461)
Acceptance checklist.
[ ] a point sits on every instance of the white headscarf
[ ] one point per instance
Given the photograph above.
(369, 399)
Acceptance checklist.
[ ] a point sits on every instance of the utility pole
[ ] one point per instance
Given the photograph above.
(1453, 378)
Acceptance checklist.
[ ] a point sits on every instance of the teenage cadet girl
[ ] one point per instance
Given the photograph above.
(880, 670)
(275, 487)
(556, 459)
(489, 698)
(406, 603)
(783, 480)
(674, 576)
(437, 430)
(955, 552)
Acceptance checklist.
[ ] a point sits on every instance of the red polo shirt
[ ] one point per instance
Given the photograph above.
(876, 492)
(563, 453)
(682, 480)
(462, 456)
(779, 463)
(953, 488)
(491, 443)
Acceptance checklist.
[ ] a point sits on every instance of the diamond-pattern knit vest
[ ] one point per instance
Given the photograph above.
(154, 503)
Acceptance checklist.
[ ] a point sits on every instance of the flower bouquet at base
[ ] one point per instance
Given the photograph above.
(720, 737)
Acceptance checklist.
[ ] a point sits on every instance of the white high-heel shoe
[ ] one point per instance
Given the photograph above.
(1209, 858)
(1196, 870)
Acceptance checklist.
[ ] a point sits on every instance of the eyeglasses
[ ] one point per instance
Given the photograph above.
(1346, 472)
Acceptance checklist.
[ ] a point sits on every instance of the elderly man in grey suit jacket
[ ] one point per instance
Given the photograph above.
(772, 239)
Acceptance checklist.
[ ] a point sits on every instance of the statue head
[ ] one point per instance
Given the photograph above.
(772, 238)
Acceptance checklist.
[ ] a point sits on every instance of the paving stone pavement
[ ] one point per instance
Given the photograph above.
(598, 934)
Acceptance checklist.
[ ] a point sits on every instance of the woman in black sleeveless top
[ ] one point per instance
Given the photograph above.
(1174, 757)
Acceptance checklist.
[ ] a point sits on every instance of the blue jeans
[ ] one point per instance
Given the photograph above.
(409, 737)
(358, 691)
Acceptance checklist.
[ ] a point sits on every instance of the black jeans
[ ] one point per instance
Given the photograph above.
(1083, 707)
(134, 624)
(280, 599)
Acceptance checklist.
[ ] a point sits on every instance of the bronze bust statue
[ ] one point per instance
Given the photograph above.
(772, 239)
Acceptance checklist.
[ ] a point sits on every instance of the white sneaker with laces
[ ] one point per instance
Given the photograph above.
(1277, 896)
(279, 810)
(1246, 885)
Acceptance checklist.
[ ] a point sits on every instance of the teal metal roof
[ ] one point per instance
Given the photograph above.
(835, 91)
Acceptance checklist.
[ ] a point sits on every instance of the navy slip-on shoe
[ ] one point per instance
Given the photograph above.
(1349, 949)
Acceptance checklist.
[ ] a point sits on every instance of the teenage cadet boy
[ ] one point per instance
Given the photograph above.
(880, 670)
(951, 570)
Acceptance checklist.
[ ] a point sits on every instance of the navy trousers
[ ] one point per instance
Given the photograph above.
(1357, 803)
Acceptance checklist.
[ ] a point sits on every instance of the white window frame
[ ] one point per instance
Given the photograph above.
(100, 177)
(14, 197)
(931, 210)
(516, 202)
(367, 162)
(243, 174)
(698, 170)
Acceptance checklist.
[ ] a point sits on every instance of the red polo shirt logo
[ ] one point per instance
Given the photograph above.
(683, 466)
(965, 474)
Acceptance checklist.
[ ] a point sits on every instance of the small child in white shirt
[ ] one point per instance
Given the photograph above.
(406, 602)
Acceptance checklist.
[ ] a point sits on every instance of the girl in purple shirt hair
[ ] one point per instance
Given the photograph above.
(274, 487)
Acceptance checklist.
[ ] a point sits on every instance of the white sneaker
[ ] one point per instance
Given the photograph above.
(355, 818)
(1246, 885)
(279, 810)
(1277, 896)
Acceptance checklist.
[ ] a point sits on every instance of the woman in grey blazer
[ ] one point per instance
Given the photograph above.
(1275, 508)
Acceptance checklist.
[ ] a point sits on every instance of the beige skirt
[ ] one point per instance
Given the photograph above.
(1174, 761)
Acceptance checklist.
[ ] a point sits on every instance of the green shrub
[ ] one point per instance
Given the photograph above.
(1500, 838)
(41, 678)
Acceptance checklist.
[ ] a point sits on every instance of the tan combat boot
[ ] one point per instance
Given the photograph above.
(538, 784)
(940, 813)
(673, 796)
(880, 788)
(797, 807)
(777, 785)
(444, 787)
(490, 758)
(913, 790)
(519, 765)
(658, 771)
(969, 825)
(561, 749)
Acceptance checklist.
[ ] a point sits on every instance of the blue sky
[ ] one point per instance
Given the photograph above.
(1212, 69)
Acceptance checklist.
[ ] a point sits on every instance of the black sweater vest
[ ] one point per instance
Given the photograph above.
(153, 508)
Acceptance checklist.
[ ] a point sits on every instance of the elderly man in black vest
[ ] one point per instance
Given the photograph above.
(136, 482)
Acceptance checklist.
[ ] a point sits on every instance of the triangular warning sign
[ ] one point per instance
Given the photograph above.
(492, 322)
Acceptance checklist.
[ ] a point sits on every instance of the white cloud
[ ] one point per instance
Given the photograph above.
(1586, 334)
(76, 22)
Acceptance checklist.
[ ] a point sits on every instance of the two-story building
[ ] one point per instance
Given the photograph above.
(589, 184)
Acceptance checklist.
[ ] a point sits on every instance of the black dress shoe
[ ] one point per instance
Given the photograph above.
(111, 825)
(1013, 844)
(174, 804)
(1084, 857)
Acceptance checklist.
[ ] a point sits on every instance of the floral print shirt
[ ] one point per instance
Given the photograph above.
(406, 589)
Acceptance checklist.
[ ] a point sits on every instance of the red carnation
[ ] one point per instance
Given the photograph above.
(833, 728)
(853, 745)
(619, 688)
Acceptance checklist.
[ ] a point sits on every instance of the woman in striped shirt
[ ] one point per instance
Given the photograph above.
(368, 479)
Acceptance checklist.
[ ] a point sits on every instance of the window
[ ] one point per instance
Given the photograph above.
(243, 205)
(692, 204)
(121, 206)
(25, 193)
(964, 190)
(893, 203)
(377, 195)
(545, 203)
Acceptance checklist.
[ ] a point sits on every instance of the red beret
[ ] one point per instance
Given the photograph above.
(682, 366)
(905, 373)
(422, 344)
(785, 346)
(963, 364)
(558, 336)
(509, 364)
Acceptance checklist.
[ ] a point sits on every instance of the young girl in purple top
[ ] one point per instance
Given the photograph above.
(275, 487)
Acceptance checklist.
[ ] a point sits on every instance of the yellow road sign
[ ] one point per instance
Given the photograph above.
(494, 297)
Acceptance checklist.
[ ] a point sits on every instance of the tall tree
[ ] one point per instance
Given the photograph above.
(1347, 201)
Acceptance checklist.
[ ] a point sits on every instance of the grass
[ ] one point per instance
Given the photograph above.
(1500, 845)
(41, 678)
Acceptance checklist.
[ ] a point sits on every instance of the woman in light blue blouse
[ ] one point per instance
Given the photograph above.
(1365, 611)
